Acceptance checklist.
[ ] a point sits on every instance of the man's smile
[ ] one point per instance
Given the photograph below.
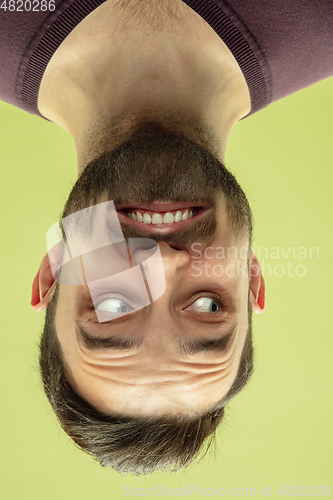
(166, 219)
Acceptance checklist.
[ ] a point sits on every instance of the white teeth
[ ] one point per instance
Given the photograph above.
(157, 219)
(168, 218)
(178, 216)
(146, 219)
(185, 215)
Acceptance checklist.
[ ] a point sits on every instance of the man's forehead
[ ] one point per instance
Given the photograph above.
(166, 387)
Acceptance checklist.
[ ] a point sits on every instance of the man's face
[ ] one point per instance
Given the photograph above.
(181, 353)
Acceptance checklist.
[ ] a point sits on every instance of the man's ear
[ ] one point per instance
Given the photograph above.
(257, 285)
(43, 286)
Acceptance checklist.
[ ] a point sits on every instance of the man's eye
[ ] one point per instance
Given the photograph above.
(114, 306)
(205, 304)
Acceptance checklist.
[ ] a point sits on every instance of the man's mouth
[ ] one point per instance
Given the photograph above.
(150, 217)
(159, 215)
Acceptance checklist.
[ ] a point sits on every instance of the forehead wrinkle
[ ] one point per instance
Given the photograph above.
(166, 372)
(158, 380)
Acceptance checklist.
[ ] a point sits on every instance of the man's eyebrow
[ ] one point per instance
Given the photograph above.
(205, 345)
(185, 347)
(114, 342)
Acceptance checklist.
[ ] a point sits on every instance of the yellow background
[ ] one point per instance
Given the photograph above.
(278, 431)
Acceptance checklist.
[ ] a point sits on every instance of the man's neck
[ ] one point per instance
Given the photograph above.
(125, 61)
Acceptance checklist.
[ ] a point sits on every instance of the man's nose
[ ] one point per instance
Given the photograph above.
(173, 257)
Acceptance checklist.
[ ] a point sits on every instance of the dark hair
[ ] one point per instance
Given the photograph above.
(154, 147)
(140, 445)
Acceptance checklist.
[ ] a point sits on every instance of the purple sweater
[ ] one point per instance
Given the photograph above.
(281, 45)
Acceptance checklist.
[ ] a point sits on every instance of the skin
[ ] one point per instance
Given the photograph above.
(155, 68)
(155, 378)
(147, 67)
